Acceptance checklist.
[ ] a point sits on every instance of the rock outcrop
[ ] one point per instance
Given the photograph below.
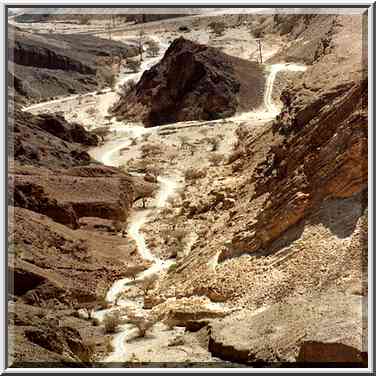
(67, 198)
(38, 64)
(193, 312)
(192, 82)
(325, 329)
(47, 140)
(323, 124)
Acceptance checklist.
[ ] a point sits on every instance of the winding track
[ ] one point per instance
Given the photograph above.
(108, 154)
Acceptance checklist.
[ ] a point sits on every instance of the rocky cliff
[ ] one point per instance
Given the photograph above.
(38, 63)
(295, 221)
(56, 264)
(323, 123)
(192, 82)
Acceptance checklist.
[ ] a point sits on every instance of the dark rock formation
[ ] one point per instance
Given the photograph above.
(71, 132)
(47, 140)
(192, 82)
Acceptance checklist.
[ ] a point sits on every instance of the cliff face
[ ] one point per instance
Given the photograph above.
(47, 140)
(38, 63)
(328, 139)
(318, 149)
(296, 223)
(191, 82)
(56, 265)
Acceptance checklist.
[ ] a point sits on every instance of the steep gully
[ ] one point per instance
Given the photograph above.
(109, 155)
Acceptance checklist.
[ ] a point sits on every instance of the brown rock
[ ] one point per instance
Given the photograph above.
(192, 82)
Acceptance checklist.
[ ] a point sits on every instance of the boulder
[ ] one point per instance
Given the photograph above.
(325, 328)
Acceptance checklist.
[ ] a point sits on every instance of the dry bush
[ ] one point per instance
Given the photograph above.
(139, 165)
(218, 28)
(108, 345)
(194, 174)
(84, 20)
(126, 87)
(133, 65)
(145, 137)
(235, 155)
(213, 141)
(111, 321)
(151, 150)
(179, 234)
(154, 170)
(153, 48)
(215, 159)
(148, 283)
(143, 323)
(91, 111)
(118, 225)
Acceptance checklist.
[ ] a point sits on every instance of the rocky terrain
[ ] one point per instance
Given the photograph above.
(63, 248)
(252, 248)
(192, 82)
(42, 66)
(283, 226)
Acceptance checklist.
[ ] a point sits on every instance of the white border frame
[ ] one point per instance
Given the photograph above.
(198, 4)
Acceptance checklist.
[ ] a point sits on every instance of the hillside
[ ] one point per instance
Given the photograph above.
(210, 208)
(192, 82)
(43, 66)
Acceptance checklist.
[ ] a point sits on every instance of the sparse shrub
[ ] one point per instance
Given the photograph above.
(214, 142)
(150, 150)
(84, 20)
(101, 297)
(91, 111)
(101, 132)
(139, 165)
(154, 170)
(204, 131)
(133, 65)
(235, 155)
(172, 268)
(111, 322)
(153, 48)
(143, 323)
(126, 87)
(117, 225)
(145, 137)
(108, 345)
(148, 283)
(218, 28)
(112, 80)
(194, 174)
(178, 340)
(215, 159)
(179, 234)
(95, 322)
